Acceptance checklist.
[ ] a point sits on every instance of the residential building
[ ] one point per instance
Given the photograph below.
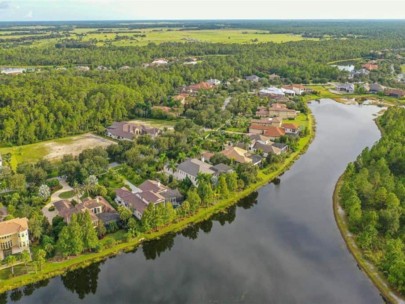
(214, 82)
(13, 237)
(12, 71)
(240, 155)
(291, 129)
(395, 93)
(160, 61)
(253, 78)
(376, 88)
(152, 192)
(222, 169)
(281, 110)
(83, 68)
(274, 121)
(345, 87)
(298, 89)
(267, 149)
(274, 133)
(206, 156)
(127, 130)
(271, 91)
(288, 92)
(370, 66)
(99, 209)
(190, 169)
(195, 88)
(181, 97)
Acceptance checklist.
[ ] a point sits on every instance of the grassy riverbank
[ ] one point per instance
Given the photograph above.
(375, 276)
(52, 269)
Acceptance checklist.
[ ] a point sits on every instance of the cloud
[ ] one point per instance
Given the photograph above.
(5, 5)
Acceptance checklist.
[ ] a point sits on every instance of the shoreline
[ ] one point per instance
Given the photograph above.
(53, 269)
(388, 294)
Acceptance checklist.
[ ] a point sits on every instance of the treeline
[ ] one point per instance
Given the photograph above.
(373, 196)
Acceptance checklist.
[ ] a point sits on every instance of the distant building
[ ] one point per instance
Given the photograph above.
(98, 208)
(128, 131)
(395, 93)
(370, 66)
(275, 121)
(151, 192)
(253, 78)
(83, 68)
(13, 237)
(281, 110)
(241, 156)
(160, 61)
(345, 87)
(376, 88)
(12, 71)
(291, 129)
(190, 169)
(271, 91)
(298, 89)
(214, 82)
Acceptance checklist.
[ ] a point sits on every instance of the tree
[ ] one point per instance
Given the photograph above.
(205, 192)
(44, 192)
(64, 243)
(90, 184)
(26, 258)
(36, 225)
(76, 236)
(39, 258)
(223, 186)
(193, 199)
(90, 239)
(101, 230)
(232, 181)
(11, 260)
(125, 214)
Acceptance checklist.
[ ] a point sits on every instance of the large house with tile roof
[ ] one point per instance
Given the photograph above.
(128, 131)
(13, 237)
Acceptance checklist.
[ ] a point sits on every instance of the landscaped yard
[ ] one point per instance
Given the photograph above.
(54, 149)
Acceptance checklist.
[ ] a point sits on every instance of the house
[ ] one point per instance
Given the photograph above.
(222, 169)
(12, 71)
(190, 169)
(160, 61)
(13, 237)
(297, 88)
(345, 87)
(259, 138)
(253, 78)
(281, 110)
(239, 155)
(376, 88)
(395, 93)
(101, 68)
(190, 61)
(279, 99)
(274, 121)
(214, 82)
(291, 129)
(262, 112)
(274, 132)
(361, 72)
(99, 209)
(194, 88)
(271, 91)
(288, 92)
(181, 97)
(152, 192)
(83, 68)
(206, 156)
(267, 149)
(127, 130)
(370, 66)
(274, 77)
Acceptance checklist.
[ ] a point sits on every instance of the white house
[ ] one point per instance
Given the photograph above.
(13, 237)
(190, 168)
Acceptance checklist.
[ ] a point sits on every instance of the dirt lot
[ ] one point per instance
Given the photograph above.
(75, 145)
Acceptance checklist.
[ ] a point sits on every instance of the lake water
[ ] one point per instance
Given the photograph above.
(280, 245)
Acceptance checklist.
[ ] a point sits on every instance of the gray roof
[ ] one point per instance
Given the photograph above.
(108, 217)
(222, 168)
(195, 166)
(256, 159)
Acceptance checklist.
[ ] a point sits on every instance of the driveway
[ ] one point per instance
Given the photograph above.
(54, 198)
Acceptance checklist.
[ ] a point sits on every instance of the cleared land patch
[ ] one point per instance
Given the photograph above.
(55, 149)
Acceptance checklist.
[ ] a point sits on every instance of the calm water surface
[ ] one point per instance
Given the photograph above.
(280, 245)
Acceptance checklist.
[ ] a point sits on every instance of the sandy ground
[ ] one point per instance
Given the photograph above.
(76, 146)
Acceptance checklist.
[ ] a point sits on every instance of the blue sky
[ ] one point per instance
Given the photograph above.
(34, 10)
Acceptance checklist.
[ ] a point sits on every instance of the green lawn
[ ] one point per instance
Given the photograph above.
(67, 194)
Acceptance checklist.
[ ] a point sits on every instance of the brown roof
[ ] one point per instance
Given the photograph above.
(370, 66)
(237, 154)
(151, 185)
(395, 92)
(131, 199)
(290, 126)
(274, 132)
(13, 226)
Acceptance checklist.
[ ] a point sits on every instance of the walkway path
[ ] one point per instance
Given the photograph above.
(54, 198)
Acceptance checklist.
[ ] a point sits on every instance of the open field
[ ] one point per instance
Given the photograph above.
(157, 123)
(141, 37)
(54, 149)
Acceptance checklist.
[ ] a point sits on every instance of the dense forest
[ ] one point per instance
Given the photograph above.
(52, 103)
(373, 196)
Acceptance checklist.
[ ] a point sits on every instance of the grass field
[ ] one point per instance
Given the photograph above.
(125, 37)
(54, 149)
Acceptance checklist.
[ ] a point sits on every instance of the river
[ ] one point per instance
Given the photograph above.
(280, 245)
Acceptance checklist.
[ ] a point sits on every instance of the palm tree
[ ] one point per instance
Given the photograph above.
(172, 165)
(11, 260)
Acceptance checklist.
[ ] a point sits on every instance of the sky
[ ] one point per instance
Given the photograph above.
(62, 10)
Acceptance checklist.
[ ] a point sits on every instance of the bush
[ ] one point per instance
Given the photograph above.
(52, 208)
(109, 242)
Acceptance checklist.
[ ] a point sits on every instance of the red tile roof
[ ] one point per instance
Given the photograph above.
(274, 132)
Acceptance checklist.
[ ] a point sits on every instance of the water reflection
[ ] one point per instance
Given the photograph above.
(83, 281)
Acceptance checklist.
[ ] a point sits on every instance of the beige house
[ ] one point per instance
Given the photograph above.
(13, 237)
